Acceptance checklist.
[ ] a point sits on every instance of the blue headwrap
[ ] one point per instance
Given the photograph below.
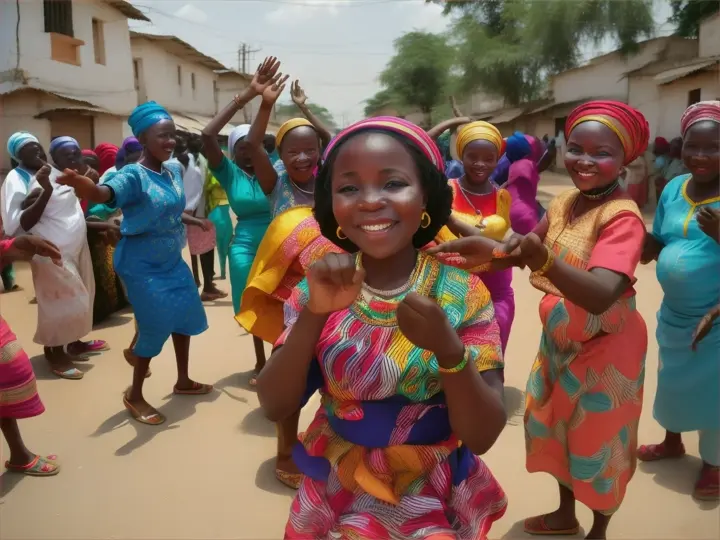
(59, 142)
(17, 141)
(443, 142)
(146, 115)
(517, 147)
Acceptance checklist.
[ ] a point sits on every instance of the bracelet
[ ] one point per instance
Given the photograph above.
(457, 368)
(237, 100)
(548, 263)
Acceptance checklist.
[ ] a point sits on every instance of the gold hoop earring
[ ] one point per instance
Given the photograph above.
(425, 220)
(340, 234)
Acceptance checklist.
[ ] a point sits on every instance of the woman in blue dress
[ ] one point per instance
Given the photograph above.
(686, 243)
(148, 258)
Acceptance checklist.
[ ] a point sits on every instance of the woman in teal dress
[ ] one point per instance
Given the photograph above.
(246, 198)
(686, 243)
(148, 258)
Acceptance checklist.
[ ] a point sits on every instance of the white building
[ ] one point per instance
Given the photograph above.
(66, 69)
(175, 74)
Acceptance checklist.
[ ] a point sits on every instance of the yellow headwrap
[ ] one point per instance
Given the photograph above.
(290, 124)
(478, 131)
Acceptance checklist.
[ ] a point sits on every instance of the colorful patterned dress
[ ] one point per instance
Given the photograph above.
(688, 270)
(495, 205)
(18, 389)
(584, 394)
(380, 459)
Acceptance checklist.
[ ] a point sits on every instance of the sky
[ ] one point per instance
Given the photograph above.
(336, 48)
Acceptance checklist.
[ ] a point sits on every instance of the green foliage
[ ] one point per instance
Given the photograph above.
(509, 47)
(688, 14)
(419, 72)
(291, 110)
(379, 101)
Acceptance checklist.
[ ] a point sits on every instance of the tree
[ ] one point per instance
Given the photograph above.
(509, 47)
(688, 14)
(290, 109)
(419, 72)
(379, 101)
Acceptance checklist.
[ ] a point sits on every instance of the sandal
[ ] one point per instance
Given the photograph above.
(197, 389)
(152, 419)
(291, 480)
(212, 296)
(656, 452)
(130, 359)
(92, 346)
(707, 487)
(72, 374)
(39, 466)
(537, 526)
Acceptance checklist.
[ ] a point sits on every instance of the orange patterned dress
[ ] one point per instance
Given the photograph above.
(584, 394)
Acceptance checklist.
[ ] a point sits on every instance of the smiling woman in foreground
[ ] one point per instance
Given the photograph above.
(405, 351)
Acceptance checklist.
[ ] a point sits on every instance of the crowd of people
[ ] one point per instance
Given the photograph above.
(379, 266)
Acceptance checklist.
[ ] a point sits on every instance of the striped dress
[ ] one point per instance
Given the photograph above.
(18, 389)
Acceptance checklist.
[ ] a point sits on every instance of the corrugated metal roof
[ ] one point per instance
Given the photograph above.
(127, 9)
(193, 123)
(179, 48)
(674, 74)
(506, 116)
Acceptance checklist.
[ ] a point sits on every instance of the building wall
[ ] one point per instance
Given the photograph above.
(673, 100)
(606, 76)
(109, 129)
(645, 96)
(159, 73)
(710, 36)
(109, 86)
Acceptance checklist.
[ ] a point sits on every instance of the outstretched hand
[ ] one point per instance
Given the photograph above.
(25, 247)
(297, 93)
(473, 251)
(84, 186)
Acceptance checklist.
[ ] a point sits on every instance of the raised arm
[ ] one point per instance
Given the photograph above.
(300, 99)
(211, 147)
(270, 84)
(443, 126)
(32, 214)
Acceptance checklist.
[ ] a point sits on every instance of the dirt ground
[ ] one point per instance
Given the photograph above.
(207, 473)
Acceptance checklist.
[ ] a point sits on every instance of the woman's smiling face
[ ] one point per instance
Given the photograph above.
(479, 161)
(594, 156)
(701, 151)
(300, 151)
(377, 194)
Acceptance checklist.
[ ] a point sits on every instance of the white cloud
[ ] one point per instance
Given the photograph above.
(291, 15)
(191, 13)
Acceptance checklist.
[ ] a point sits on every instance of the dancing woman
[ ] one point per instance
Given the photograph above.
(148, 258)
(393, 339)
(584, 394)
(686, 243)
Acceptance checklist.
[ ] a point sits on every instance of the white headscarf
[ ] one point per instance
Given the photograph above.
(239, 132)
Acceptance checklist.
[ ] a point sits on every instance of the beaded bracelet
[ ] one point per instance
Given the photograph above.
(457, 368)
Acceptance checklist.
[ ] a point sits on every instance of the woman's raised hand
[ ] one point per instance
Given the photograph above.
(334, 282)
(297, 93)
(84, 187)
(266, 73)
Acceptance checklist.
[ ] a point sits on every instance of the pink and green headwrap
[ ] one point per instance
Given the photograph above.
(410, 131)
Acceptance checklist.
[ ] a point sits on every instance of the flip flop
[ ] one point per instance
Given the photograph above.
(541, 528)
(291, 480)
(72, 374)
(707, 487)
(92, 346)
(39, 466)
(152, 419)
(130, 359)
(198, 389)
(656, 452)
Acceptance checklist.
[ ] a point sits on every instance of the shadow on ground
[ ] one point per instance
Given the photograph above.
(42, 370)
(265, 479)
(678, 475)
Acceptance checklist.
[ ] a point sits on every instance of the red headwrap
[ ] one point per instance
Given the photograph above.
(106, 153)
(627, 123)
(699, 112)
(661, 145)
(89, 153)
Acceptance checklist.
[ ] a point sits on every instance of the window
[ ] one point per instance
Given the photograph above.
(693, 96)
(179, 76)
(58, 17)
(98, 34)
(136, 73)
(192, 83)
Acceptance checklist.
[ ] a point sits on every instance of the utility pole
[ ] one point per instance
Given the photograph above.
(244, 57)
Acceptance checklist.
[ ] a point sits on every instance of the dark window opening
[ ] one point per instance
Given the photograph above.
(58, 17)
